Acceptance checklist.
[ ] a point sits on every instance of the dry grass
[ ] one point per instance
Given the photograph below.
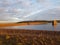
(22, 23)
(29, 37)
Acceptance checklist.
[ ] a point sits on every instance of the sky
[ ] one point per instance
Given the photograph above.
(21, 10)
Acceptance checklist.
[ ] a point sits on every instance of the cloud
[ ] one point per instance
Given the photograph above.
(22, 9)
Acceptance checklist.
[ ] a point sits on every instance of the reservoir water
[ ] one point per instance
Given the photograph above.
(48, 26)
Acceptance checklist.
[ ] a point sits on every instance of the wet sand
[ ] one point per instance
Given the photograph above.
(29, 37)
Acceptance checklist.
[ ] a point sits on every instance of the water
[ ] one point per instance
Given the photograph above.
(37, 27)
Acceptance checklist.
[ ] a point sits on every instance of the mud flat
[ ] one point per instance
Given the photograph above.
(29, 37)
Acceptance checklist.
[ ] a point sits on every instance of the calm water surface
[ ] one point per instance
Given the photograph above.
(38, 27)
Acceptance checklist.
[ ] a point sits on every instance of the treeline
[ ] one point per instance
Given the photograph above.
(39, 21)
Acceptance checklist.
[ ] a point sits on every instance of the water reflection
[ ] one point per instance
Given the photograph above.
(38, 27)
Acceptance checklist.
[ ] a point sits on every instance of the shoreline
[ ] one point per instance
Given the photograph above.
(17, 31)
